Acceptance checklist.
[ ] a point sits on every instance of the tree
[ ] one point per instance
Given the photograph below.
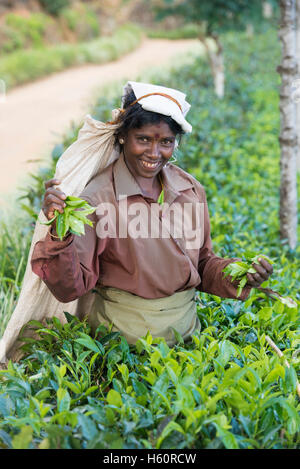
(297, 84)
(288, 131)
(213, 18)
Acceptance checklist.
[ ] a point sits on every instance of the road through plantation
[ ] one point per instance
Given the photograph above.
(34, 116)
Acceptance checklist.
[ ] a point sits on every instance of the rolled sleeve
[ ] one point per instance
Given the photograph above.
(210, 268)
(69, 268)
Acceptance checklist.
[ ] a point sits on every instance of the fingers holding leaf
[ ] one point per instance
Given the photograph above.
(71, 217)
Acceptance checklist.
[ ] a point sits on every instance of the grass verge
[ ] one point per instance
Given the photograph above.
(24, 66)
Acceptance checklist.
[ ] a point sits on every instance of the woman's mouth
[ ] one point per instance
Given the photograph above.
(148, 165)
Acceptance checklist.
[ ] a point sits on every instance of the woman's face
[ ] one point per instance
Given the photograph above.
(148, 149)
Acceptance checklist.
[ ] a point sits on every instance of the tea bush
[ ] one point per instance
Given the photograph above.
(227, 388)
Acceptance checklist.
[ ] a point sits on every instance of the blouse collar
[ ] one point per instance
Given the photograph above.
(126, 185)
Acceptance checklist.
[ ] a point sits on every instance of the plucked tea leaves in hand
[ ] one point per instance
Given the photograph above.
(72, 219)
(238, 270)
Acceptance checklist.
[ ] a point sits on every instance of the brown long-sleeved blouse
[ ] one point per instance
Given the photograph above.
(150, 267)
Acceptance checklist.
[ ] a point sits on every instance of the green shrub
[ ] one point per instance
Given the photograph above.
(82, 21)
(15, 239)
(74, 390)
(37, 30)
(13, 40)
(188, 31)
(23, 66)
(54, 7)
(23, 32)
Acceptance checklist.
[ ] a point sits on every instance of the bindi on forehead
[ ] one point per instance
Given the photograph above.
(157, 136)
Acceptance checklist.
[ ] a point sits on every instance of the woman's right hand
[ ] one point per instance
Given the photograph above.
(53, 199)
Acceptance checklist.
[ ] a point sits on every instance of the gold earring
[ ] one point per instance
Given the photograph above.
(121, 141)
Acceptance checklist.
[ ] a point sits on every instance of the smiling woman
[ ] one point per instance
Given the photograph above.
(146, 151)
(147, 140)
(138, 282)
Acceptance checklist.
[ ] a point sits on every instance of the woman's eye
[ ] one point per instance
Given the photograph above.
(165, 142)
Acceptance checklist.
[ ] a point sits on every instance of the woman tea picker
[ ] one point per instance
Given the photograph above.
(143, 282)
(135, 267)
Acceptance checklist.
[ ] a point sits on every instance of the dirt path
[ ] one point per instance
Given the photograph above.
(35, 115)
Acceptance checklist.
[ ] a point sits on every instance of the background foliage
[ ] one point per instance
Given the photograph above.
(24, 66)
(54, 6)
(39, 29)
(219, 16)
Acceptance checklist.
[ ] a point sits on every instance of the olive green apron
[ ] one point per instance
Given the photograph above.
(134, 316)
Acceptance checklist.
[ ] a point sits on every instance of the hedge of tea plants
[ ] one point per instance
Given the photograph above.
(227, 388)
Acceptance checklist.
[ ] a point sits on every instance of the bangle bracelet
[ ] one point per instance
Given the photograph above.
(52, 235)
(57, 237)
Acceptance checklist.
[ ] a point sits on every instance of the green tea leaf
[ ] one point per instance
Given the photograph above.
(76, 225)
(114, 398)
(49, 222)
(72, 219)
(72, 201)
(161, 197)
(23, 439)
(227, 438)
(63, 400)
(80, 216)
(169, 428)
(89, 343)
(61, 225)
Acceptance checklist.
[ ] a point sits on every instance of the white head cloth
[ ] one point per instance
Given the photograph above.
(92, 152)
(162, 100)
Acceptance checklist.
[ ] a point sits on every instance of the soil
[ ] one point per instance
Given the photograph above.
(33, 117)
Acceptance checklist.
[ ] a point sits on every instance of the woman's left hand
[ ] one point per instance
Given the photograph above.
(263, 272)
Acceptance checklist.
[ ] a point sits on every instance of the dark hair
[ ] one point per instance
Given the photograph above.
(136, 117)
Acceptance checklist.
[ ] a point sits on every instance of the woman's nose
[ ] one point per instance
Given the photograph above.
(154, 151)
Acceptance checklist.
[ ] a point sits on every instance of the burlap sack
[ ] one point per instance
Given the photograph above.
(92, 152)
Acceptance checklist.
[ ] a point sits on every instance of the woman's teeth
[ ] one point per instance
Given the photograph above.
(150, 165)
